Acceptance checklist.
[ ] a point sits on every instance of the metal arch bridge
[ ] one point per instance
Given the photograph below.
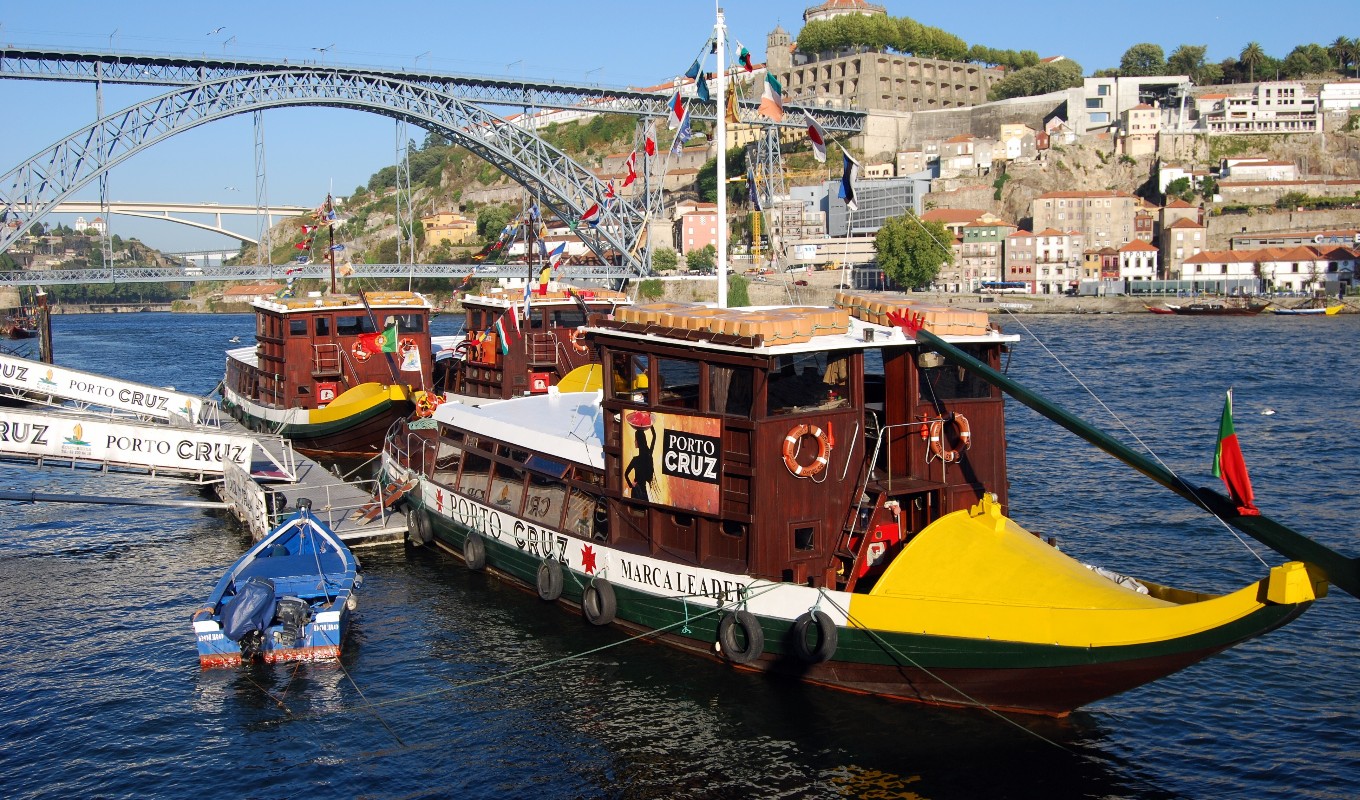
(455, 272)
(163, 211)
(451, 105)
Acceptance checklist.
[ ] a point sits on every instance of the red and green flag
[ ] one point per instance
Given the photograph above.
(1229, 464)
(384, 341)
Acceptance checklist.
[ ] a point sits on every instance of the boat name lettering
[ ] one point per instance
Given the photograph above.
(326, 626)
(23, 433)
(684, 583)
(210, 637)
(131, 397)
(689, 455)
(539, 541)
(14, 371)
(210, 451)
(475, 516)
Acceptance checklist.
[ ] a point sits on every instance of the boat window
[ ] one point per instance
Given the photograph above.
(507, 487)
(568, 318)
(677, 383)
(544, 500)
(446, 462)
(952, 382)
(804, 538)
(547, 466)
(580, 508)
(730, 390)
(629, 377)
(733, 528)
(353, 325)
(323, 326)
(809, 381)
(409, 323)
(476, 473)
(297, 327)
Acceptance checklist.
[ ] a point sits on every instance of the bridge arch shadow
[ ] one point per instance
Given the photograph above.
(563, 186)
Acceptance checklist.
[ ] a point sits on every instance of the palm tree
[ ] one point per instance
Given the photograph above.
(1345, 51)
(1252, 55)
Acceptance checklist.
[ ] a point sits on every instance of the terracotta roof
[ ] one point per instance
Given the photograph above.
(1051, 232)
(947, 215)
(1101, 193)
(1178, 203)
(1137, 245)
(962, 137)
(1184, 222)
(1214, 96)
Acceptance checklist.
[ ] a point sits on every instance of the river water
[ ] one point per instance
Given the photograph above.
(456, 685)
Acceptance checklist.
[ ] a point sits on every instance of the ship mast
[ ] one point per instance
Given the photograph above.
(328, 211)
(720, 86)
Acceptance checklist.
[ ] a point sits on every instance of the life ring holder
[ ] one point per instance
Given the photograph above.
(935, 434)
(792, 444)
(360, 354)
(427, 403)
(578, 341)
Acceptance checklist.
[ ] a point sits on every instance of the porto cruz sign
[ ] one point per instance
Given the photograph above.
(60, 436)
(97, 390)
(673, 460)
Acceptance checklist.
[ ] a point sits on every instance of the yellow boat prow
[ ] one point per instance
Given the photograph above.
(357, 399)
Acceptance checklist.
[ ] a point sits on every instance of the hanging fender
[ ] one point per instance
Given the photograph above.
(790, 450)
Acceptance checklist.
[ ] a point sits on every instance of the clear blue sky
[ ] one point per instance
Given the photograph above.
(611, 42)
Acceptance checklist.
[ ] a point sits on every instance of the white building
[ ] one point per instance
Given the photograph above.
(1138, 261)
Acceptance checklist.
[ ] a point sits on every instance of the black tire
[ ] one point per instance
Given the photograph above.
(732, 649)
(549, 579)
(418, 530)
(827, 637)
(474, 551)
(598, 603)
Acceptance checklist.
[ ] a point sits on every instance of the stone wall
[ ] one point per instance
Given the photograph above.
(886, 132)
(1220, 228)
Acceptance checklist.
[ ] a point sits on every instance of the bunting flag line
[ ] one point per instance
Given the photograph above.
(681, 136)
(631, 166)
(306, 229)
(693, 71)
(818, 137)
(467, 281)
(555, 256)
(731, 93)
(543, 280)
(848, 177)
(591, 215)
(1229, 464)
(649, 138)
(745, 58)
(772, 99)
(677, 115)
(701, 89)
(336, 248)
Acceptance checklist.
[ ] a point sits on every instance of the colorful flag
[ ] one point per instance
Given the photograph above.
(609, 190)
(1229, 464)
(848, 177)
(410, 360)
(731, 112)
(818, 137)
(500, 334)
(677, 115)
(303, 245)
(514, 310)
(751, 192)
(772, 99)
(693, 71)
(467, 281)
(683, 135)
(306, 229)
(557, 252)
(543, 278)
(745, 58)
(591, 215)
(336, 248)
(631, 166)
(701, 89)
(649, 138)
(384, 341)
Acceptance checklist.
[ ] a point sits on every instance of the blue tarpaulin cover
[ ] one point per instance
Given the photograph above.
(252, 609)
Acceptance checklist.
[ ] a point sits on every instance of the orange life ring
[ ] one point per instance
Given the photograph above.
(578, 340)
(407, 344)
(936, 437)
(360, 354)
(427, 403)
(791, 445)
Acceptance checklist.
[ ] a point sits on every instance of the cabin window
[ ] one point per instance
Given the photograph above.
(952, 382)
(629, 377)
(568, 318)
(507, 487)
(409, 323)
(544, 500)
(446, 462)
(353, 325)
(297, 327)
(476, 473)
(303, 389)
(733, 528)
(580, 514)
(730, 390)
(808, 382)
(322, 326)
(677, 383)
(805, 538)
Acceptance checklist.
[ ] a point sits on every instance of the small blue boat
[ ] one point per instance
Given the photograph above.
(289, 598)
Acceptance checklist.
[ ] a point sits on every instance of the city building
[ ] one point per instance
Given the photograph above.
(697, 228)
(1138, 129)
(1272, 107)
(877, 201)
(1257, 169)
(981, 251)
(1138, 261)
(1104, 218)
(450, 227)
(1108, 98)
(1343, 96)
(1018, 258)
(1057, 261)
(1259, 240)
(1181, 240)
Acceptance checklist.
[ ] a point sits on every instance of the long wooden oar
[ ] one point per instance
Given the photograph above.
(1341, 571)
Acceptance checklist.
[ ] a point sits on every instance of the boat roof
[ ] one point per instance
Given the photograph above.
(566, 425)
(333, 302)
(500, 298)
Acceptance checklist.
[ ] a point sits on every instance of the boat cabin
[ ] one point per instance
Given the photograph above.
(310, 350)
(513, 360)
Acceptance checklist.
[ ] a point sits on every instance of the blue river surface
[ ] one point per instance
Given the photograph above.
(456, 685)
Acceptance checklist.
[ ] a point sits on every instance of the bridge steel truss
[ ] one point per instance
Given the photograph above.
(247, 272)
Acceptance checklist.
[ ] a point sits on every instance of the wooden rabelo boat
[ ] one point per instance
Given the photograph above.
(1218, 309)
(750, 485)
(316, 377)
(525, 355)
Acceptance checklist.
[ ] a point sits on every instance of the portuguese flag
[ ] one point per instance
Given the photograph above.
(1229, 465)
(384, 341)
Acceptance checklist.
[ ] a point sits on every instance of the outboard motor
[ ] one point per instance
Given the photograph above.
(247, 615)
(293, 614)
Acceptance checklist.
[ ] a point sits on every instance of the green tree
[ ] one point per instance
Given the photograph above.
(736, 291)
(1143, 59)
(1038, 79)
(1208, 187)
(664, 259)
(702, 260)
(1252, 56)
(707, 180)
(1346, 53)
(911, 252)
(491, 220)
(1181, 188)
(1306, 59)
(651, 289)
(1188, 59)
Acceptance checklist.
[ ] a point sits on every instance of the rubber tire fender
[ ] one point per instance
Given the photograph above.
(750, 628)
(549, 579)
(827, 637)
(418, 530)
(474, 551)
(598, 603)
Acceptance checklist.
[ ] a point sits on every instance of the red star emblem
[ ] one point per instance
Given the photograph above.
(587, 559)
(439, 500)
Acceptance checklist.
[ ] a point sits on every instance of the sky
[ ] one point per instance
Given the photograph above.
(613, 43)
